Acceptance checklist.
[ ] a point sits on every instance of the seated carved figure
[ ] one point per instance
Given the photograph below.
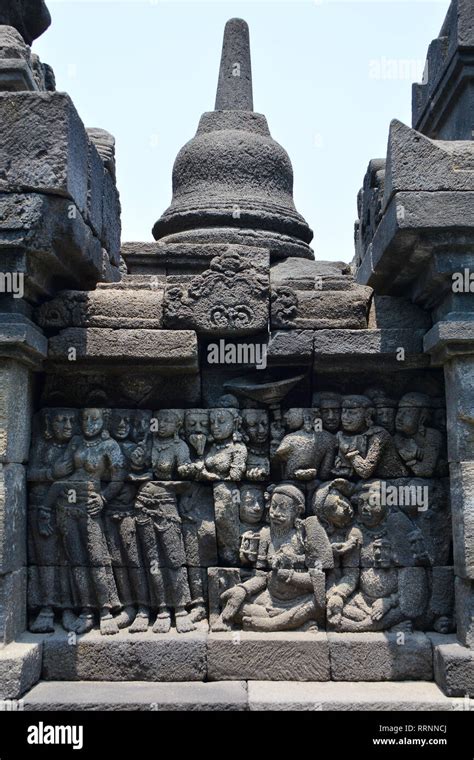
(379, 595)
(418, 445)
(307, 452)
(364, 450)
(290, 594)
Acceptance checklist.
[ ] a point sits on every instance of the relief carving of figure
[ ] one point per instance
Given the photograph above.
(92, 474)
(160, 534)
(120, 528)
(170, 457)
(48, 576)
(256, 431)
(364, 450)
(380, 595)
(305, 453)
(289, 594)
(418, 445)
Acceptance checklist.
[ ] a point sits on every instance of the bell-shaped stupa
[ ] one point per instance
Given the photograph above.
(232, 182)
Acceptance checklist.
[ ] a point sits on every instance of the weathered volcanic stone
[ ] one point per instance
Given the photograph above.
(15, 400)
(290, 695)
(112, 305)
(268, 656)
(417, 163)
(462, 508)
(380, 657)
(30, 17)
(453, 667)
(125, 657)
(12, 605)
(44, 146)
(137, 695)
(12, 517)
(164, 348)
(20, 667)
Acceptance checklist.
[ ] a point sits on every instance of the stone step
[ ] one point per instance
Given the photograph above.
(239, 695)
(137, 695)
(239, 656)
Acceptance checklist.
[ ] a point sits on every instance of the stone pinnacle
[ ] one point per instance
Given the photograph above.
(234, 89)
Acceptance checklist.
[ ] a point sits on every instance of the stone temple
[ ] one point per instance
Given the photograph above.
(227, 467)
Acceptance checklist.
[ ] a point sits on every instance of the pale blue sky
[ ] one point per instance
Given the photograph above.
(328, 75)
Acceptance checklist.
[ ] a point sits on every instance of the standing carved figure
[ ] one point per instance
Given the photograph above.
(93, 467)
(48, 577)
(161, 539)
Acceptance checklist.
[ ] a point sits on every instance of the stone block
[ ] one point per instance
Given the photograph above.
(290, 347)
(46, 237)
(397, 313)
(125, 657)
(321, 309)
(13, 600)
(170, 349)
(387, 697)
(15, 411)
(380, 657)
(12, 517)
(454, 668)
(20, 667)
(462, 509)
(417, 163)
(109, 306)
(111, 226)
(229, 298)
(44, 146)
(464, 594)
(268, 656)
(137, 695)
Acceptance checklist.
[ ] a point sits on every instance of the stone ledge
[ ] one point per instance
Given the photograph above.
(163, 349)
(288, 695)
(137, 695)
(267, 656)
(125, 657)
(239, 695)
(20, 667)
(453, 667)
(380, 656)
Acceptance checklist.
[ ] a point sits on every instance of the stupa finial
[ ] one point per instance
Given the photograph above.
(234, 89)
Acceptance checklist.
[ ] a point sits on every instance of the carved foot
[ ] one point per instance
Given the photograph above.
(44, 622)
(184, 624)
(141, 623)
(162, 623)
(69, 620)
(198, 613)
(108, 625)
(125, 617)
(219, 626)
(85, 623)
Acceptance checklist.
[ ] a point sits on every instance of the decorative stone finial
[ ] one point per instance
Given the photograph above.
(234, 89)
(29, 17)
